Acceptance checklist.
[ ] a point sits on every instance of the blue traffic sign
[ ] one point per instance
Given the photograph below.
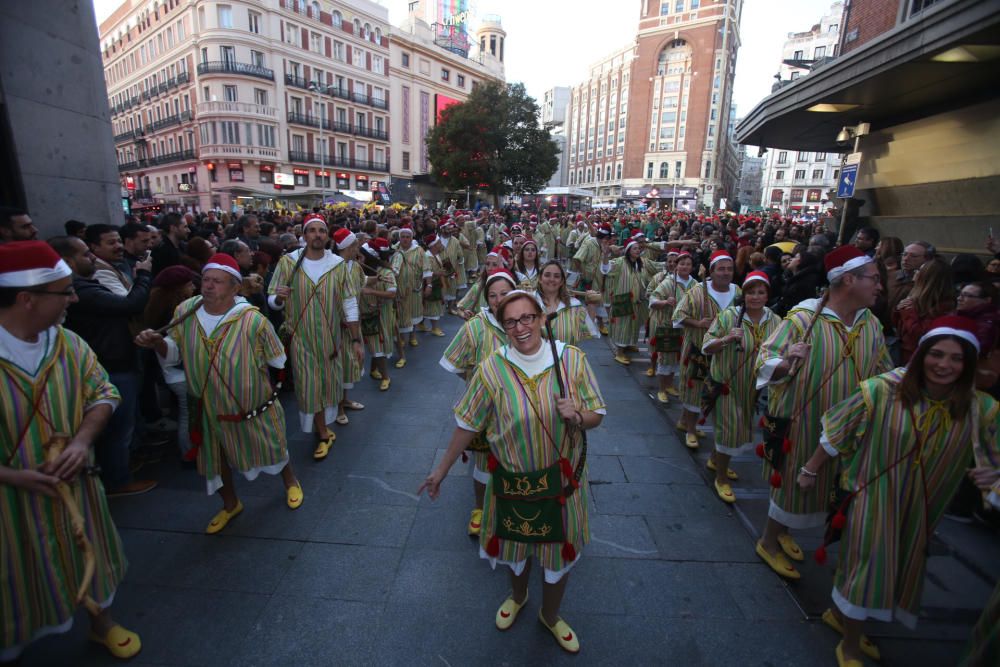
(848, 177)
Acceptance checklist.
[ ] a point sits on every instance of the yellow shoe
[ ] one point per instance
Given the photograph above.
(384, 386)
(662, 397)
(375, 374)
(622, 359)
(790, 547)
(294, 495)
(725, 492)
(691, 441)
(476, 522)
(603, 329)
(401, 363)
(730, 473)
(420, 327)
(436, 331)
(867, 646)
(323, 447)
(778, 563)
(650, 372)
(121, 643)
(221, 520)
(414, 342)
(507, 613)
(844, 662)
(563, 633)
(673, 392)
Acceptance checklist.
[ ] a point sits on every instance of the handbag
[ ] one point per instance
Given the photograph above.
(370, 323)
(698, 362)
(622, 305)
(776, 442)
(527, 505)
(710, 392)
(668, 339)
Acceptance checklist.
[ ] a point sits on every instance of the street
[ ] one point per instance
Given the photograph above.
(366, 573)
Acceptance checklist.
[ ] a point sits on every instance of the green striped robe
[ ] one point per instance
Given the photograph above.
(669, 287)
(433, 263)
(494, 402)
(382, 343)
(40, 565)
(883, 551)
(313, 312)
(571, 323)
(820, 382)
(409, 268)
(352, 367)
(733, 417)
(589, 258)
(622, 279)
(245, 341)
(696, 304)
(474, 299)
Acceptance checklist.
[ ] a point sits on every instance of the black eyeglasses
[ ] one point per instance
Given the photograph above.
(69, 291)
(525, 320)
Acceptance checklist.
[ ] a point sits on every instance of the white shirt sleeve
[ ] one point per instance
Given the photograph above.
(351, 309)
(173, 357)
(464, 426)
(272, 301)
(827, 447)
(766, 371)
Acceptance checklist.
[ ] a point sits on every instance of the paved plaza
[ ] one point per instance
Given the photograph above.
(367, 573)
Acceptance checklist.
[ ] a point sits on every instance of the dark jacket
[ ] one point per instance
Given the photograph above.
(101, 318)
(164, 255)
(798, 287)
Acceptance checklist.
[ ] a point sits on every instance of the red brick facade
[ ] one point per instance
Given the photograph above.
(866, 20)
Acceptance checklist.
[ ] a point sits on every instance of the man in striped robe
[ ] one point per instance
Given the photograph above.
(408, 263)
(317, 294)
(585, 269)
(808, 371)
(51, 385)
(226, 346)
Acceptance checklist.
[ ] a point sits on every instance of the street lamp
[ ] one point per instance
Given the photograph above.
(843, 138)
(315, 88)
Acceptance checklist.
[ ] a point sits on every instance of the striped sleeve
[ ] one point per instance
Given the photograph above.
(845, 424)
(685, 307)
(720, 327)
(459, 356)
(268, 345)
(772, 351)
(584, 382)
(987, 454)
(476, 405)
(96, 384)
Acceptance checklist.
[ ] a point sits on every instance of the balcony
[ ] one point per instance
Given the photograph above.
(309, 120)
(237, 151)
(135, 101)
(345, 94)
(337, 161)
(140, 193)
(176, 119)
(369, 132)
(297, 81)
(237, 108)
(183, 78)
(232, 67)
(131, 135)
(303, 119)
(132, 166)
(167, 158)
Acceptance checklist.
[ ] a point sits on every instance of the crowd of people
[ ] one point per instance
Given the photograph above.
(876, 359)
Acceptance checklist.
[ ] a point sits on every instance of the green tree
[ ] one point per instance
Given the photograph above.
(493, 141)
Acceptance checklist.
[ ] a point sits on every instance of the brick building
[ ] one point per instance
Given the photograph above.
(652, 119)
(210, 101)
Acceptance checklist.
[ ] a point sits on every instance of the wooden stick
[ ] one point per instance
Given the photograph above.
(164, 329)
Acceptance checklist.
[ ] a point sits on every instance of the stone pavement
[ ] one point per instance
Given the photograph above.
(365, 573)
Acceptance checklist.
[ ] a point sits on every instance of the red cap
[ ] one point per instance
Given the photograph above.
(30, 263)
(718, 256)
(953, 325)
(843, 259)
(343, 237)
(759, 276)
(224, 262)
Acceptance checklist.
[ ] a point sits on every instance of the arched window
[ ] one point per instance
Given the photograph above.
(337, 18)
(314, 6)
(589, 173)
(368, 30)
(618, 172)
(378, 35)
(357, 27)
(607, 173)
(572, 177)
(597, 174)
(664, 169)
(675, 58)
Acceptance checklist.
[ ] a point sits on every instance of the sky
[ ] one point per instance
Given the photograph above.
(554, 42)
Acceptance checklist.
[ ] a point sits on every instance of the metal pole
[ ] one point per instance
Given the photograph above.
(843, 211)
(322, 159)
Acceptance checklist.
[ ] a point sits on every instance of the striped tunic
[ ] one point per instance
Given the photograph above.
(572, 325)
(624, 280)
(40, 565)
(733, 416)
(528, 281)
(353, 368)
(409, 268)
(883, 550)
(471, 237)
(453, 253)
(235, 382)
(313, 315)
(546, 236)
(699, 302)
(498, 400)
(589, 258)
(840, 358)
(434, 264)
(474, 299)
(382, 343)
(672, 286)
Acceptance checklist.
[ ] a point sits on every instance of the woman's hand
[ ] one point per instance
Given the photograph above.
(148, 339)
(904, 304)
(984, 478)
(432, 484)
(567, 410)
(735, 335)
(806, 482)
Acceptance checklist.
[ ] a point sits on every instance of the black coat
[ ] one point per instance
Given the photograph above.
(799, 286)
(101, 318)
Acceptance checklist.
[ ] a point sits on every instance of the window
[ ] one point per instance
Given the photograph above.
(315, 42)
(406, 59)
(800, 174)
(266, 176)
(460, 80)
(257, 58)
(265, 136)
(817, 174)
(406, 160)
(779, 175)
(338, 51)
(664, 9)
(227, 54)
(300, 178)
(677, 169)
(359, 57)
(803, 156)
(649, 170)
(229, 93)
(253, 21)
(445, 74)
(292, 34)
(230, 132)
(783, 157)
(797, 55)
(260, 96)
(337, 18)
(664, 169)
(820, 52)
(820, 157)
(618, 172)
(314, 9)
(795, 75)
(225, 16)
(708, 168)
(377, 66)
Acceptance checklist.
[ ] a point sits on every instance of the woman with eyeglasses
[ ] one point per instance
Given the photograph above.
(536, 498)
(476, 340)
(572, 323)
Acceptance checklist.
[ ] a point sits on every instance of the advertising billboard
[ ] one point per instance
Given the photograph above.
(442, 102)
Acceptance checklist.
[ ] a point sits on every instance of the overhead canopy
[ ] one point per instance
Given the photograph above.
(889, 81)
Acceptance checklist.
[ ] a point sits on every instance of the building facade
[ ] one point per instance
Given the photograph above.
(256, 103)
(651, 122)
(431, 67)
(798, 182)
(555, 103)
(750, 189)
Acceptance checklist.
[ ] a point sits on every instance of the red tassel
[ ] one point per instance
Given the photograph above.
(192, 454)
(690, 384)
(838, 521)
(763, 422)
(196, 437)
(567, 469)
(760, 449)
(492, 462)
(493, 547)
(702, 421)
(786, 445)
(820, 555)
(725, 389)
(776, 479)
(568, 552)
(562, 499)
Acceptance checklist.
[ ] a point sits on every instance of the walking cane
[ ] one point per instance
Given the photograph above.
(793, 367)
(167, 327)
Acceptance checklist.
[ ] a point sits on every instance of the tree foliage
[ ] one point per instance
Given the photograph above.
(493, 141)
